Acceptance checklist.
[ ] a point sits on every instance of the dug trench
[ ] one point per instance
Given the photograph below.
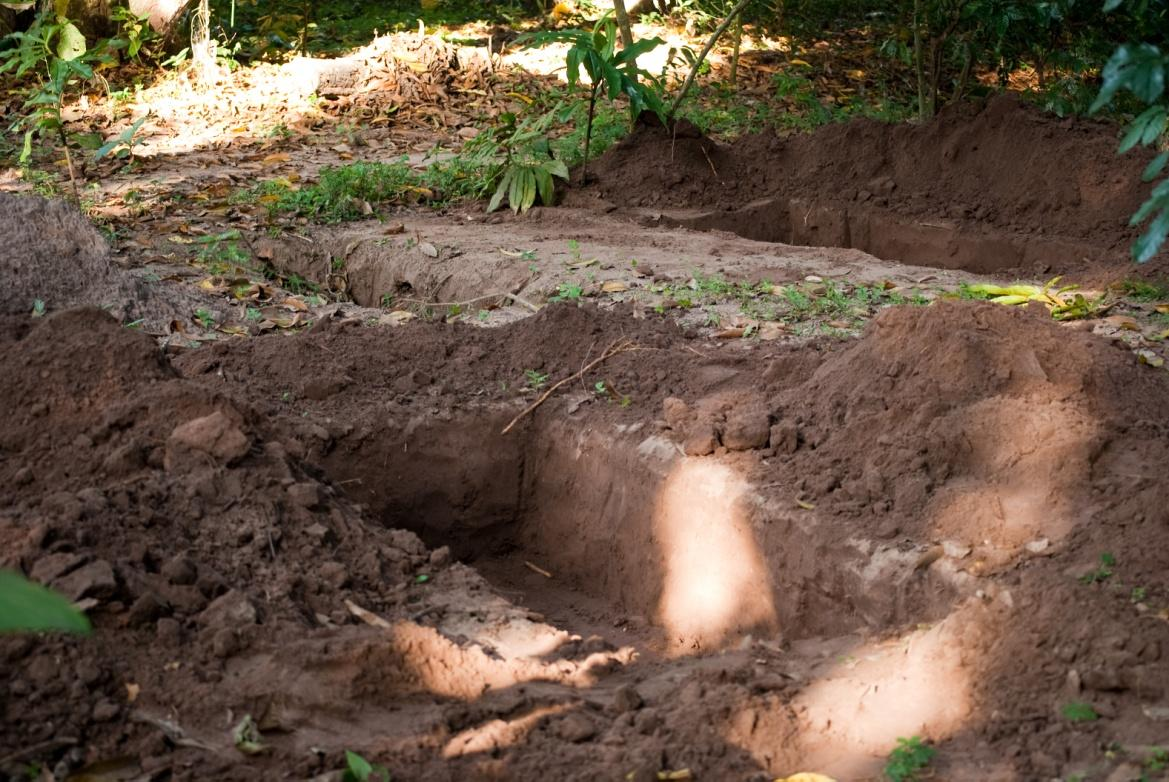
(767, 560)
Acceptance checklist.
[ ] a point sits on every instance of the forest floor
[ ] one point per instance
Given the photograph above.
(714, 470)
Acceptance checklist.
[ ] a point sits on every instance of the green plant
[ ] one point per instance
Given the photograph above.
(528, 165)
(1078, 711)
(611, 73)
(123, 144)
(1138, 594)
(205, 318)
(29, 607)
(567, 291)
(536, 380)
(908, 759)
(1140, 68)
(55, 50)
(1103, 572)
(136, 30)
(358, 769)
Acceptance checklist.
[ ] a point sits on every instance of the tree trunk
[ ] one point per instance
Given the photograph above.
(623, 23)
(94, 18)
(164, 15)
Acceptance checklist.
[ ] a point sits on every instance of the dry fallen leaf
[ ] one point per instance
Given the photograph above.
(771, 331)
(805, 505)
(731, 333)
(398, 316)
(294, 303)
(276, 157)
(614, 286)
(428, 249)
(1123, 322)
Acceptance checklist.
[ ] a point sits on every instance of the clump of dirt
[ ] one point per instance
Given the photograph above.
(1000, 168)
(56, 256)
(964, 465)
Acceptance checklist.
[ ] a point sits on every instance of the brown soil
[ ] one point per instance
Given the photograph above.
(771, 560)
(984, 187)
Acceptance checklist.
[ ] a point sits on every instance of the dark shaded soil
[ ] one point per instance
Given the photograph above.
(984, 187)
(909, 528)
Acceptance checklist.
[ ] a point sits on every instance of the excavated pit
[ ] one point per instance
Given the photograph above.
(611, 525)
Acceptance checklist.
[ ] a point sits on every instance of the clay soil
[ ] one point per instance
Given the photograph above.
(696, 558)
(985, 186)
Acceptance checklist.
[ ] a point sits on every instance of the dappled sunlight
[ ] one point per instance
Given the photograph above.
(466, 671)
(857, 704)
(716, 582)
(498, 734)
(1020, 476)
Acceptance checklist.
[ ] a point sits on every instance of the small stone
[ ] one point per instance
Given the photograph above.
(23, 477)
(148, 608)
(169, 631)
(626, 698)
(213, 435)
(576, 728)
(232, 609)
(440, 557)
(180, 571)
(51, 567)
(94, 580)
(785, 437)
(334, 574)
(701, 440)
(305, 495)
(1126, 772)
(955, 549)
(1103, 680)
(1038, 546)
(104, 711)
(747, 428)
(676, 413)
(224, 643)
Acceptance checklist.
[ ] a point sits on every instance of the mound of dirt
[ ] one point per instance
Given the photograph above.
(55, 255)
(912, 524)
(1013, 177)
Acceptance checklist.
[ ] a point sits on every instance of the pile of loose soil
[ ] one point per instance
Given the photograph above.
(929, 505)
(1001, 168)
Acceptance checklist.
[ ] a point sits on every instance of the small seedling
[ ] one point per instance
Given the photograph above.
(574, 249)
(253, 314)
(536, 380)
(600, 388)
(483, 315)
(1102, 573)
(1077, 711)
(205, 318)
(909, 759)
(358, 769)
(1158, 759)
(1139, 594)
(527, 255)
(567, 291)
(38, 308)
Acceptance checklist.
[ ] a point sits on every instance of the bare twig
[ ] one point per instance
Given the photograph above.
(537, 569)
(511, 296)
(718, 31)
(623, 346)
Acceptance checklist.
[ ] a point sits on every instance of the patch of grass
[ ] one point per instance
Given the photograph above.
(1141, 290)
(1103, 572)
(567, 291)
(1078, 711)
(909, 759)
(536, 380)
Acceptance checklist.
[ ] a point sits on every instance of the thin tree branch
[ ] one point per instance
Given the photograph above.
(718, 31)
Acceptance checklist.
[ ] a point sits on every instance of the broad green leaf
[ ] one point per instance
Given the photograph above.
(500, 191)
(1111, 5)
(30, 607)
(1155, 167)
(71, 43)
(515, 191)
(545, 185)
(1147, 245)
(558, 168)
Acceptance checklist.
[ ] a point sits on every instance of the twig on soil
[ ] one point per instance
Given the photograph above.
(369, 617)
(537, 569)
(718, 31)
(708, 160)
(173, 732)
(623, 346)
(36, 749)
(511, 296)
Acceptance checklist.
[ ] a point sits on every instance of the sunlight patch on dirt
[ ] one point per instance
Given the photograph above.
(716, 581)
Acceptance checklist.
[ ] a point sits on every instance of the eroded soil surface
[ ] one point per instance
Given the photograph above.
(666, 515)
